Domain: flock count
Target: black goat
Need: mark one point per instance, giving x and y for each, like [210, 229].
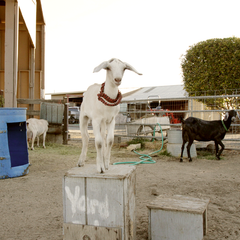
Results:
[200, 130]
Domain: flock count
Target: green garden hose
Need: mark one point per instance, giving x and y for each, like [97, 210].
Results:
[145, 158]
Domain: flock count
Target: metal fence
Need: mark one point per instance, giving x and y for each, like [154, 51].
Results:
[146, 117]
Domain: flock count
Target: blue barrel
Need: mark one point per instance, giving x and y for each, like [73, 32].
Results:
[13, 143]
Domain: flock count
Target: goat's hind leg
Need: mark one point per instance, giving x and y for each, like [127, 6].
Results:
[44, 137]
[188, 149]
[85, 139]
[182, 149]
[37, 141]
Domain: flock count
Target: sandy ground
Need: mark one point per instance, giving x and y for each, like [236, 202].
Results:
[31, 206]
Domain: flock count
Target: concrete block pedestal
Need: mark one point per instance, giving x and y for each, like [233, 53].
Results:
[174, 145]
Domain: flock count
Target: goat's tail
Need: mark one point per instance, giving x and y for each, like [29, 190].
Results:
[182, 120]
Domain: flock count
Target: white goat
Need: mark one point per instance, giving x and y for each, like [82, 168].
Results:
[35, 128]
[100, 104]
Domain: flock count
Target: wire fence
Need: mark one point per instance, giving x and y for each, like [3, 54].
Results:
[140, 118]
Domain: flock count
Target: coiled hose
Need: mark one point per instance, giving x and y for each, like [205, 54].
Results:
[145, 158]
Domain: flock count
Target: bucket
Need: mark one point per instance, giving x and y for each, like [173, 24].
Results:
[175, 144]
[13, 143]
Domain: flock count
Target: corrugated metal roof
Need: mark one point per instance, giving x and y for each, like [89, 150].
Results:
[171, 91]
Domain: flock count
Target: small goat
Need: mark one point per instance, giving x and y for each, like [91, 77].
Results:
[35, 128]
[101, 105]
[200, 130]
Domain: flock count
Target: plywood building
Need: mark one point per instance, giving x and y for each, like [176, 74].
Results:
[22, 51]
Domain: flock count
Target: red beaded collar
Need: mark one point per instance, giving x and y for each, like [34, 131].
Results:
[106, 100]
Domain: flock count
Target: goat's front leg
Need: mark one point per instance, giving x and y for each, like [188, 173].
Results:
[33, 140]
[99, 144]
[216, 150]
[110, 139]
[221, 150]
[85, 139]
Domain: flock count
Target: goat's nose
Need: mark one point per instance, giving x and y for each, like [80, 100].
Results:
[118, 81]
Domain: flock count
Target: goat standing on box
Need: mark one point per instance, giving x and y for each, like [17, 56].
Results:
[200, 130]
[101, 105]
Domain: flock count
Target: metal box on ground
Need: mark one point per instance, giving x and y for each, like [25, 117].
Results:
[177, 218]
[101, 200]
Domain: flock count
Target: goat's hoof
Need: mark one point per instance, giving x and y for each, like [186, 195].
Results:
[181, 160]
[80, 165]
[101, 169]
[190, 160]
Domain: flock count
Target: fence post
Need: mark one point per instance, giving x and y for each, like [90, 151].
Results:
[1, 99]
[65, 122]
[191, 108]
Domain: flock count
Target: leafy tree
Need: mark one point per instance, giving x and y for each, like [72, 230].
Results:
[213, 67]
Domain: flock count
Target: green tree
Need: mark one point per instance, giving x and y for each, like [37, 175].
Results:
[212, 67]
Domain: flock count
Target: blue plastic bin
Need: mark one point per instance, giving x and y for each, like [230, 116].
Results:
[13, 143]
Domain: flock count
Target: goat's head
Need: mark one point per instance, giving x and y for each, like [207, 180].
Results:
[232, 114]
[115, 69]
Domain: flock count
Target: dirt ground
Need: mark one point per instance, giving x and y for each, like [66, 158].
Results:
[31, 206]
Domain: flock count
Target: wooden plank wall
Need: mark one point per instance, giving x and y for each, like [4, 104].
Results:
[26, 102]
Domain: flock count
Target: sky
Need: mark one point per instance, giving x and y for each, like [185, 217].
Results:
[150, 35]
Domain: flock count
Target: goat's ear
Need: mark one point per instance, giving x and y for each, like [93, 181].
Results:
[103, 65]
[129, 67]
[226, 116]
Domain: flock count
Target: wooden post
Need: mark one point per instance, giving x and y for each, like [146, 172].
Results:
[11, 52]
[32, 78]
[65, 122]
[43, 61]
